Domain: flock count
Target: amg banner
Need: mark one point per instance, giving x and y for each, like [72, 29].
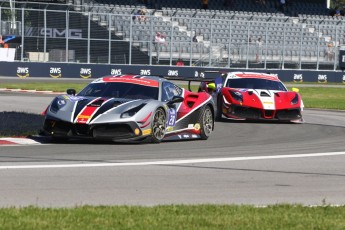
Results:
[53, 32]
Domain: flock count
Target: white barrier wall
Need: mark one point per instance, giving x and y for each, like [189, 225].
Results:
[7, 54]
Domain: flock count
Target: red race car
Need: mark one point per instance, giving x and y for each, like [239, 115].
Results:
[257, 96]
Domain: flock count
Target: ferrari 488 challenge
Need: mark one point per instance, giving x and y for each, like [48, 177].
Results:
[257, 96]
[130, 107]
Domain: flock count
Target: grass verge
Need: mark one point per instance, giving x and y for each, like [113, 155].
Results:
[313, 97]
[174, 217]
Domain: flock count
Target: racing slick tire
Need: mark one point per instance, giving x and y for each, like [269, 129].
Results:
[158, 126]
[206, 122]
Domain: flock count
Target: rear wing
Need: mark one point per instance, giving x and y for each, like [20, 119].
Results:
[217, 77]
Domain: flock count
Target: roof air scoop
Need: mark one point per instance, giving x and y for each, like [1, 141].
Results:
[97, 103]
[264, 94]
[116, 103]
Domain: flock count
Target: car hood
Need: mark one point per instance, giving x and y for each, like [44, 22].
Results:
[85, 110]
[269, 99]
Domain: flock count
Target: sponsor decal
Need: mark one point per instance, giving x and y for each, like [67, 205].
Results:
[85, 72]
[145, 72]
[268, 102]
[147, 132]
[322, 78]
[298, 78]
[173, 73]
[169, 129]
[84, 116]
[140, 81]
[344, 79]
[23, 72]
[116, 72]
[171, 117]
[219, 83]
[197, 126]
[196, 74]
[61, 102]
[342, 58]
[73, 98]
[190, 126]
[55, 72]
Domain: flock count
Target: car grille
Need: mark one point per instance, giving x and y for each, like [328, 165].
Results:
[113, 131]
[247, 112]
[288, 114]
[108, 131]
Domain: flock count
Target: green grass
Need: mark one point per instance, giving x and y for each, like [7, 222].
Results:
[323, 98]
[50, 86]
[175, 217]
[313, 97]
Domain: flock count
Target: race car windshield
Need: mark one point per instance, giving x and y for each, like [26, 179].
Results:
[120, 90]
[255, 83]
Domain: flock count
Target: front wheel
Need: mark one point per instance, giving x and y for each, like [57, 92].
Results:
[158, 126]
[206, 123]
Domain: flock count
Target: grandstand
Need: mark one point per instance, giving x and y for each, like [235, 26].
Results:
[294, 37]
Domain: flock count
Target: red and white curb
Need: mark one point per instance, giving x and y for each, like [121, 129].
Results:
[18, 141]
[29, 91]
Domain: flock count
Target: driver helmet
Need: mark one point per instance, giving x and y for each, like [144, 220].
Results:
[211, 87]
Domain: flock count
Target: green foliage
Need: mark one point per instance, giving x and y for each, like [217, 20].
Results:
[174, 217]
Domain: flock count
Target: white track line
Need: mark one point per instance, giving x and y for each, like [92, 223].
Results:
[172, 162]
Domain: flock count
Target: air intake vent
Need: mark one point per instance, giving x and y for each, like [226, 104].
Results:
[264, 94]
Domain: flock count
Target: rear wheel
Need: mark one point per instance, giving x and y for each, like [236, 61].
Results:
[206, 123]
[158, 126]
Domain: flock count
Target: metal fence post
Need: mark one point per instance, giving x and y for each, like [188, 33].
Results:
[45, 34]
[88, 37]
[67, 34]
[109, 38]
[266, 45]
[130, 40]
[229, 45]
[23, 37]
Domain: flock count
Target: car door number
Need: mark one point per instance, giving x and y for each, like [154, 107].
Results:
[172, 117]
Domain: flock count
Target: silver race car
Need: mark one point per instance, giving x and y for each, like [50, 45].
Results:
[130, 107]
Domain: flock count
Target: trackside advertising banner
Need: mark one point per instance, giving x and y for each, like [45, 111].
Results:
[68, 70]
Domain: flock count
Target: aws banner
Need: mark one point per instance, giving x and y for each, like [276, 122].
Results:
[92, 71]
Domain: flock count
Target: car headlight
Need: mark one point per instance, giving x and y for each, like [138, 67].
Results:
[57, 104]
[132, 112]
[236, 95]
[294, 101]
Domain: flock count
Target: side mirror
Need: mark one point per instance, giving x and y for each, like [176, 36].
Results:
[175, 99]
[71, 92]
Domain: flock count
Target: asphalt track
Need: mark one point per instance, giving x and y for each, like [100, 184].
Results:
[241, 163]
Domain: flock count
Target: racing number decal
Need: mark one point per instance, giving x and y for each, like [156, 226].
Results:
[171, 117]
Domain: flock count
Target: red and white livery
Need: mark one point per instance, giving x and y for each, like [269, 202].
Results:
[257, 96]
